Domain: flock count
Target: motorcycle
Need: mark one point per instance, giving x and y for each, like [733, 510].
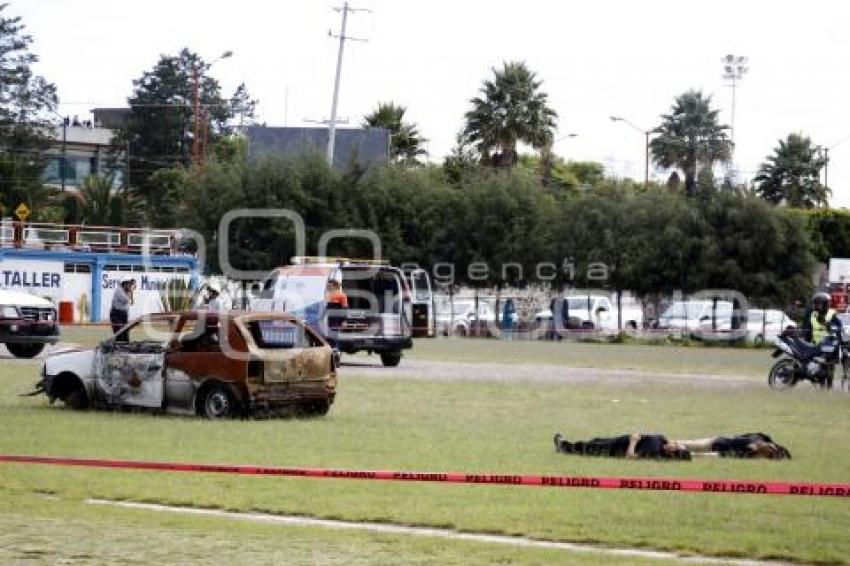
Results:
[802, 361]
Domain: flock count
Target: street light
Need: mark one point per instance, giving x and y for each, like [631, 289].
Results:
[196, 110]
[646, 134]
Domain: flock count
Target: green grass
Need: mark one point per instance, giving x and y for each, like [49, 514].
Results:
[390, 423]
[61, 531]
[676, 359]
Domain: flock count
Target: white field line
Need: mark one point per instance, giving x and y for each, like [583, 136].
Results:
[385, 528]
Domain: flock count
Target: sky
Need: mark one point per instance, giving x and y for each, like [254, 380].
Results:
[596, 59]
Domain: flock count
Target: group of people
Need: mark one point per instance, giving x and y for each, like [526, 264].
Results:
[657, 446]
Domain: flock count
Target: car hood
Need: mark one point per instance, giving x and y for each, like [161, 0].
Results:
[79, 361]
[20, 299]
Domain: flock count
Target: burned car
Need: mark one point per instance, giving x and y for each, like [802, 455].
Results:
[213, 364]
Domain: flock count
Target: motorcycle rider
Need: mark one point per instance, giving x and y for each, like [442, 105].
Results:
[817, 318]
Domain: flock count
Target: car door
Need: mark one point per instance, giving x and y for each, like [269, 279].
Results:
[131, 372]
[422, 300]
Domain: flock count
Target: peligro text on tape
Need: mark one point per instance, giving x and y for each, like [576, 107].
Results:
[648, 484]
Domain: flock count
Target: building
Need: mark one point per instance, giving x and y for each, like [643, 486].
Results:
[83, 265]
[364, 146]
[85, 149]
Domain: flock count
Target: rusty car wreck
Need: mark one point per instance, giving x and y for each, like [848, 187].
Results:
[213, 364]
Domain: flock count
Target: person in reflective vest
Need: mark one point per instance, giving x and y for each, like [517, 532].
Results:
[817, 318]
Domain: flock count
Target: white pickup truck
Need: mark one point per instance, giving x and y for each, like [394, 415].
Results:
[593, 312]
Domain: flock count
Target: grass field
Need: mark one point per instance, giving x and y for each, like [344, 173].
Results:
[693, 359]
[383, 422]
[677, 359]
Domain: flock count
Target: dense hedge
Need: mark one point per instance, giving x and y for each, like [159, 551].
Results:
[504, 228]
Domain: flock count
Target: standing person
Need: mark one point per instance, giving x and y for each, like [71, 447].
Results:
[214, 301]
[119, 313]
[335, 296]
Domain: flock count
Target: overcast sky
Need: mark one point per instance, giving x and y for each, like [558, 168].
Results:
[628, 58]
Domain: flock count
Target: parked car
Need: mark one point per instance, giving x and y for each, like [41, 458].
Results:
[27, 323]
[765, 325]
[461, 318]
[591, 312]
[697, 316]
[213, 364]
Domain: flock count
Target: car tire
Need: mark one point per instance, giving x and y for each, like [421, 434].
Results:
[76, 398]
[758, 340]
[217, 402]
[460, 331]
[391, 359]
[25, 350]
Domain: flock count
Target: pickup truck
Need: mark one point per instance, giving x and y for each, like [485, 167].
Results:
[27, 323]
[592, 312]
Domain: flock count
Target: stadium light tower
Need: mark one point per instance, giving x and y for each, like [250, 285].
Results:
[734, 69]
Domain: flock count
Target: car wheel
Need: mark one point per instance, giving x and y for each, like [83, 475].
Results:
[217, 402]
[25, 350]
[460, 331]
[758, 340]
[391, 359]
[76, 398]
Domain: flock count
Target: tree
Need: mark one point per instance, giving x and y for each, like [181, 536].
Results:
[160, 130]
[243, 105]
[100, 203]
[405, 140]
[792, 174]
[26, 101]
[690, 138]
[511, 109]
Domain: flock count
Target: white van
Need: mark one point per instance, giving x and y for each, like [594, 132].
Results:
[377, 314]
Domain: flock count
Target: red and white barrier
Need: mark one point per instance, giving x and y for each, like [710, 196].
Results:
[591, 482]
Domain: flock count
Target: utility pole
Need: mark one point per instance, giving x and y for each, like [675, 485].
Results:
[196, 107]
[199, 147]
[342, 37]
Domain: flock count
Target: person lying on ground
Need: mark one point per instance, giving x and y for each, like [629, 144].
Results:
[749, 445]
[658, 446]
[635, 445]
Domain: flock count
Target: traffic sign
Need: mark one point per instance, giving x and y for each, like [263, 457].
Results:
[22, 212]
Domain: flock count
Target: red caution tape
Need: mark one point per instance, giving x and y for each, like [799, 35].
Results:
[650, 484]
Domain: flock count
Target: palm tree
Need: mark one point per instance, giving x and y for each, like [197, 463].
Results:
[792, 174]
[100, 203]
[511, 109]
[690, 138]
[405, 140]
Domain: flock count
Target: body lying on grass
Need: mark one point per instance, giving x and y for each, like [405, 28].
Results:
[658, 446]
